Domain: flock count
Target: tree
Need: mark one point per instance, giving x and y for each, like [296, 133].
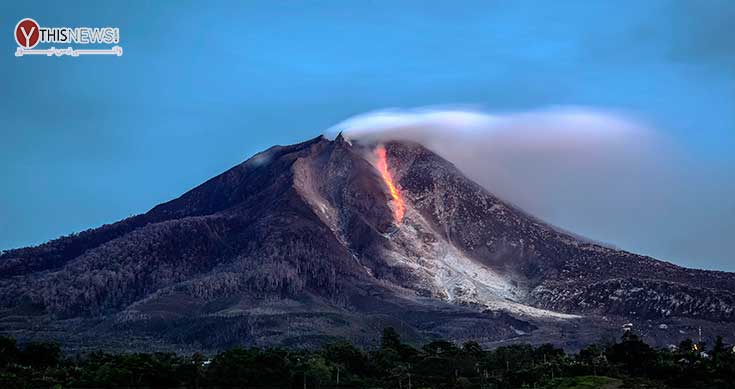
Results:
[472, 349]
[440, 348]
[8, 351]
[41, 354]
[719, 349]
[592, 356]
[390, 339]
[318, 371]
[634, 355]
[347, 359]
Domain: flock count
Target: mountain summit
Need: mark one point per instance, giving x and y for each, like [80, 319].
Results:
[328, 239]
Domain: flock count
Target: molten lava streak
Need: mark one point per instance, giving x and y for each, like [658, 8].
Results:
[399, 208]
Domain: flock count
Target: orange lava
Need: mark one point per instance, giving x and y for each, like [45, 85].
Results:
[399, 208]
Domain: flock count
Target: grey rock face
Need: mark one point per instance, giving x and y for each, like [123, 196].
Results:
[299, 245]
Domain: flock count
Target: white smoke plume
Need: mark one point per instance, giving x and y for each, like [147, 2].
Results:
[528, 158]
[604, 174]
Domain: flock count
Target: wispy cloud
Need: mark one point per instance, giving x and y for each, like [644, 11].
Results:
[605, 174]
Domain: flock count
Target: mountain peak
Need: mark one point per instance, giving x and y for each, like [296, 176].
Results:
[302, 243]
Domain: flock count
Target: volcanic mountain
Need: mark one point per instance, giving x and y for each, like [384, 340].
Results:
[332, 239]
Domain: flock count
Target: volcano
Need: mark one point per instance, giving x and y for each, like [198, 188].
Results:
[331, 239]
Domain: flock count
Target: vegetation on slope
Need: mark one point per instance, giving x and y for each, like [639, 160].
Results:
[440, 364]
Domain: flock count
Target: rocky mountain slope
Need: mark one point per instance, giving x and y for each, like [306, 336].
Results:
[330, 239]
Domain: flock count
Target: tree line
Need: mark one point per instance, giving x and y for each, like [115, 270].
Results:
[630, 362]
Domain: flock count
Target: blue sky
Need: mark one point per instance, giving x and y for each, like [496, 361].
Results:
[90, 140]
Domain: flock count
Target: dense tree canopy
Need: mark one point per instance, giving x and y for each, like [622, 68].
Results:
[394, 364]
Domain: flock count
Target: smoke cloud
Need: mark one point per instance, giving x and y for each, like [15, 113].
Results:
[603, 174]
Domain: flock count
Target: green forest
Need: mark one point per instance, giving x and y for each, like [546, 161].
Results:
[626, 363]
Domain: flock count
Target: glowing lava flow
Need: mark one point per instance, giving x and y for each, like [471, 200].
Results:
[399, 209]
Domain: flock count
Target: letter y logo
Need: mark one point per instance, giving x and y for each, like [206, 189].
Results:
[27, 33]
